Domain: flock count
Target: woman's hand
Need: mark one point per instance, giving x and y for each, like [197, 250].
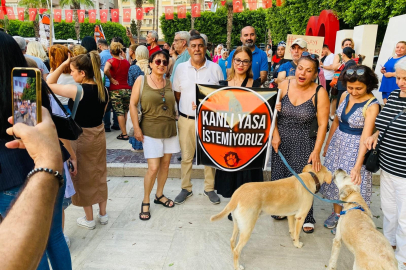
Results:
[356, 176]
[194, 106]
[75, 166]
[325, 150]
[388, 74]
[276, 141]
[278, 106]
[371, 142]
[138, 134]
[114, 81]
[314, 158]
[66, 63]
[383, 70]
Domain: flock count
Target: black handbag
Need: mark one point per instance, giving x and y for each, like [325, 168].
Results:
[314, 127]
[371, 158]
[66, 126]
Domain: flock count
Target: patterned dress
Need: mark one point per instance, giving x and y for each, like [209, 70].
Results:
[294, 126]
[342, 152]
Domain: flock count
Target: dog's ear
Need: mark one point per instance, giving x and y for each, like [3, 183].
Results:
[347, 190]
[308, 168]
[327, 175]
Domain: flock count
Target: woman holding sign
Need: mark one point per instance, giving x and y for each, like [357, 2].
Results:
[292, 135]
[240, 75]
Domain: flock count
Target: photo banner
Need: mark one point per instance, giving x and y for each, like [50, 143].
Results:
[195, 10]
[182, 12]
[169, 13]
[233, 126]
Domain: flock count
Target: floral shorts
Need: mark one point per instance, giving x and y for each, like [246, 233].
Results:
[120, 100]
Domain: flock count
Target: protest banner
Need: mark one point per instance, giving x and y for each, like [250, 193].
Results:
[314, 44]
[233, 126]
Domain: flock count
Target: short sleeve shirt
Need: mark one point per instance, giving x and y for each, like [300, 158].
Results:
[182, 58]
[155, 49]
[186, 78]
[104, 57]
[133, 73]
[288, 68]
[259, 62]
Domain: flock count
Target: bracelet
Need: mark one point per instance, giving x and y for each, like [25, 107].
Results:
[50, 171]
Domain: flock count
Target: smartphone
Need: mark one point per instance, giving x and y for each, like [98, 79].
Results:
[26, 95]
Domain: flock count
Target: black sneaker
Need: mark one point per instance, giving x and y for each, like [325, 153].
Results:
[115, 128]
[183, 195]
[213, 197]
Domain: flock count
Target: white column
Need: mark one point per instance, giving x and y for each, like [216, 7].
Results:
[365, 38]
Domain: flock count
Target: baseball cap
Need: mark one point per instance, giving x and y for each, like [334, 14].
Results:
[301, 42]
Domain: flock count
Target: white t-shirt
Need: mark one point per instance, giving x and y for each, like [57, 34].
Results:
[328, 74]
[270, 55]
[186, 77]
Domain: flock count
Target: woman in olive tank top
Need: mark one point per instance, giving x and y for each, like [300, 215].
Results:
[157, 130]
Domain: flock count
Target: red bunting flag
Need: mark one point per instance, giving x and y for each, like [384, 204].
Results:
[115, 15]
[139, 15]
[126, 14]
[252, 5]
[237, 6]
[57, 15]
[42, 10]
[68, 15]
[279, 3]
[1, 14]
[33, 13]
[10, 13]
[209, 4]
[81, 15]
[103, 15]
[3, 9]
[21, 13]
[195, 10]
[169, 13]
[223, 3]
[92, 15]
[182, 12]
[266, 3]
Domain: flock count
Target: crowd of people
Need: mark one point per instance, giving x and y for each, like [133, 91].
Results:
[104, 84]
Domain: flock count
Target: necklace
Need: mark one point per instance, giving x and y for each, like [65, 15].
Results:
[162, 93]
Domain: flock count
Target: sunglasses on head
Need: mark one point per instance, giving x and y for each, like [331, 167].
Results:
[359, 72]
[159, 61]
[312, 56]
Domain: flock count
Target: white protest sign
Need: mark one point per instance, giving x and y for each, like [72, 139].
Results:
[314, 44]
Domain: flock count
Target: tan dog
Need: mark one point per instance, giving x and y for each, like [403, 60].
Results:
[371, 249]
[285, 197]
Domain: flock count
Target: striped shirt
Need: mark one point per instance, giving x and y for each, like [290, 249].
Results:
[392, 155]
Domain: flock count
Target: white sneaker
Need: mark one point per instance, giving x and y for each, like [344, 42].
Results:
[67, 240]
[103, 219]
[83, 222]
[401, 266]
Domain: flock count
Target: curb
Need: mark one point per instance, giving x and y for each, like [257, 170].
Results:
[140, 169]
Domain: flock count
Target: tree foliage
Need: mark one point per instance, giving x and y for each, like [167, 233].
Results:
[26, 29]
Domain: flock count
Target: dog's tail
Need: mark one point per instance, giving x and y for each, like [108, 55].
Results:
[232, 204]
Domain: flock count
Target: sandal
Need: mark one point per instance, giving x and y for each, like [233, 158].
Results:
[279, 217]
[123, 137]
[166, 204]
[308, 225]
[145, 213]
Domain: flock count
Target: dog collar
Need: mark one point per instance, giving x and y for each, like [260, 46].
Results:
[316, 180]
[359, 207]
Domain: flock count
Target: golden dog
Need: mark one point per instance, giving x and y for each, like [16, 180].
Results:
[356, 228]
[285, 197]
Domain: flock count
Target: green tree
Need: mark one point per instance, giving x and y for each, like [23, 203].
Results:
[133, 26]
[26, 29]
[30, 93]
[65, 30]
[75, 5]
[34, 4]
[110, 30]
[13, 27]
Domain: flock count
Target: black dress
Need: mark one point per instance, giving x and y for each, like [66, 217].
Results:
[228, 182]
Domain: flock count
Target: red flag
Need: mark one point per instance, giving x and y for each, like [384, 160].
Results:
[115, 15]
[169, 13]
[42, 10]
[3, 8]
[209, 4]
[223, 3]
[10, 13]
[92, 15]
[252, 5]
[195, 10]
[21, 13]
[182, 12]
[279, 3]
[81, 15]
[33, 13]
[1, 14]
[127, 14]
[139, 15]
[57, 15]
[266, 3]
[68, 15]
[103, 15]
[237, 6]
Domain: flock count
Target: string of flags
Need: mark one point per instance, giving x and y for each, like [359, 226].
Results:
[115, 13]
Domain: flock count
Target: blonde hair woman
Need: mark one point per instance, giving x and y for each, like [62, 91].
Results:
[35, 48]
[142, 56]
[78, 50]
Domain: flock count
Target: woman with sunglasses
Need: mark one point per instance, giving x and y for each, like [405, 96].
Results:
[157, 130]
[292, 131]
[354, 122]
[240, 75]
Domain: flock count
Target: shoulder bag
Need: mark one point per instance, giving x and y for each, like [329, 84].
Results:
[314, 127]
[371, 159]
[66, 126]
[129, 124]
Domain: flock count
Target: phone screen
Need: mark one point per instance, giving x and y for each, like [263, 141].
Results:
[26, 97]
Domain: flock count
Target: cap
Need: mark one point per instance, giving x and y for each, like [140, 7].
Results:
[301, 42]
[282, 44]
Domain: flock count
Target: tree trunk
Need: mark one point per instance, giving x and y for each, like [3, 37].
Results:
[229, 25]
[157, 17]
[76, 7]
[192, 19]
[153, 16]
[138, 4]
[36, 28]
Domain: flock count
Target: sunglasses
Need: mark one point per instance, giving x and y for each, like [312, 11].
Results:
[359, 72]
[315, 57]
[159, 62]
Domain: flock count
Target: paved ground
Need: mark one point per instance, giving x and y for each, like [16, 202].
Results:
[184, 238]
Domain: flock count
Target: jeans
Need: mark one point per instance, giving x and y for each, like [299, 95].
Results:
[107, 117]
[57, 250]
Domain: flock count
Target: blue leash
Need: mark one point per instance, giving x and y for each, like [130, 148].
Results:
[303, 184]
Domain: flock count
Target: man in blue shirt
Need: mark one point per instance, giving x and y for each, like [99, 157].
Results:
[259, 58]
[288, 70]
[104, 52]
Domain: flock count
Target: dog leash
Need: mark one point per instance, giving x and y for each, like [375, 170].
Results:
[303, 184]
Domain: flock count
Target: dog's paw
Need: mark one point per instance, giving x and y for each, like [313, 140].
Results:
[298, 244]
[240, 267]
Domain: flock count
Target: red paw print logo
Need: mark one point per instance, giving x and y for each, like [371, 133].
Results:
[231, 159]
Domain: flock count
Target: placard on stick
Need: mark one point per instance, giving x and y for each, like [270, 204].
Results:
[314, 44]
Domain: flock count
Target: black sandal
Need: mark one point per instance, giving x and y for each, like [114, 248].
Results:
[166, 204]
[145, 213]
[123, 137]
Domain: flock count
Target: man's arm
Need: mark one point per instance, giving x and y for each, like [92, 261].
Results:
[281, 76]
[26, 241]
[177, 97]
[263, 75]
